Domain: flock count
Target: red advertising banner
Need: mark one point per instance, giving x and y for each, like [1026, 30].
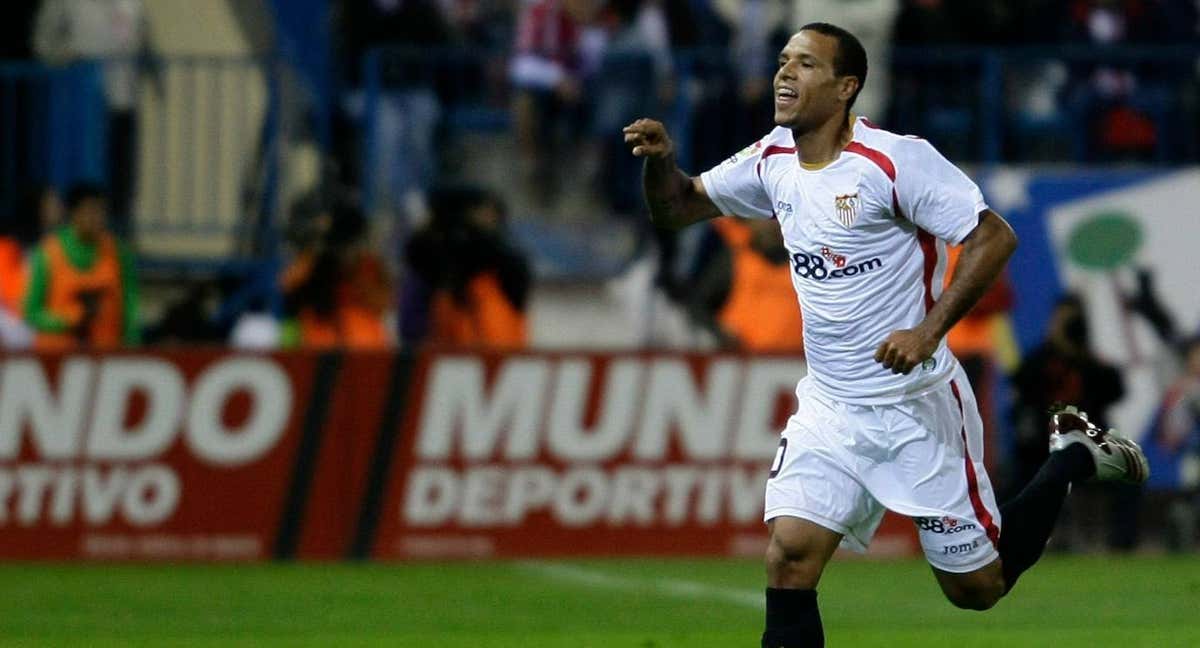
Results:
[180, 456]
[213, 455]
[589, 454]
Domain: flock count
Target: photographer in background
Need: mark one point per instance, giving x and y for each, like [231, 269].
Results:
[467, 285]
[337, 290]
[744, 294]
[82, 289]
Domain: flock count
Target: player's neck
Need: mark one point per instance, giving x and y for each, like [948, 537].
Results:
[820, 146]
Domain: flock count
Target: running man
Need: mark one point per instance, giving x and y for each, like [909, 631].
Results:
[886, 417]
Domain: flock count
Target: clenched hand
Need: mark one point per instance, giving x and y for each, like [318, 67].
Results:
[648, 138]
[905, 349]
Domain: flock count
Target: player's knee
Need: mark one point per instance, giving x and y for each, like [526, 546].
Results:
[792, 565]
[979, 593]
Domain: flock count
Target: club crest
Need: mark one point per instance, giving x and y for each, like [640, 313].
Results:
[846, 206]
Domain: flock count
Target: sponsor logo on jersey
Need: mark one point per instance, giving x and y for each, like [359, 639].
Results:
[846, 206]
[812, 266]
[744, 153]
[945, 525]
[785, 207]
[837, 259]
[961, 548]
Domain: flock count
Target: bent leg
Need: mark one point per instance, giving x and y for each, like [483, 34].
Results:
[796, 555]
[973, 590]
[798, 552]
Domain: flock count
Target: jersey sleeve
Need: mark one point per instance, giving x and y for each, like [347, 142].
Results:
[934, 194]
[735, 187]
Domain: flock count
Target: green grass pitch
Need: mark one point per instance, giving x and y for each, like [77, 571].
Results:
[1062, 603]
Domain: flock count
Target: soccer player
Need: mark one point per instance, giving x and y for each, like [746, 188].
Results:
[886, 417]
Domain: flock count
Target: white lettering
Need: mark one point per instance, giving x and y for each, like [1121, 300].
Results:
[33, 481]
[633, 493]
[102, 492]
[680, 481]
[151, 496]
[456, 404]
[581, 497]
[430, 497]
[271, 398]
[482, 495]
[568, 438]
[530, 488]
[119, 379]
[56, 423]
[757, 436]
[674, 402]
[64, 497]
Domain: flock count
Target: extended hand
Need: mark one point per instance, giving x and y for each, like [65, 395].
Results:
[905, 349]
[648, 138]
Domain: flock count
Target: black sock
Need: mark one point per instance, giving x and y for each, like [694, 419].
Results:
[1029, 518]
[793, 620]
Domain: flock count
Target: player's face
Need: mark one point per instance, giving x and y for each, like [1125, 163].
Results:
[806, 88]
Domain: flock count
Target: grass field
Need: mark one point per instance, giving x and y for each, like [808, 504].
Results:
[1063, 603]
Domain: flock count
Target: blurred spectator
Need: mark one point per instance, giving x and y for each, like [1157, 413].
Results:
[1173, 447]
[871, 22]
[744, 295]
[547, 74]
[635, 79]
[467, 284]
[402, 160]
[113, 30]
[188, 320]
[758, 29]
[1063, 369]
[338, 290]
[39, 211]
[82, 287]
[1121, 109]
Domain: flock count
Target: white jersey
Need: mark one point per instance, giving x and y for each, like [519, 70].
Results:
[866, 235]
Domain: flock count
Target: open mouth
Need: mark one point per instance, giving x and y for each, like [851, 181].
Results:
[785, 96]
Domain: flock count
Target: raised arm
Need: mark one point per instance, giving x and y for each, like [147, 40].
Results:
[675, 198]
[985, 251]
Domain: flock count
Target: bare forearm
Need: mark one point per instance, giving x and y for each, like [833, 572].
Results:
[675, 199]
[665, 185]
[984, 255]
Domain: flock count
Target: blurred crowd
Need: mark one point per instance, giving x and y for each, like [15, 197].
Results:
[567, 74]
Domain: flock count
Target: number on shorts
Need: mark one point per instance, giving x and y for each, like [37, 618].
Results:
[778, 463]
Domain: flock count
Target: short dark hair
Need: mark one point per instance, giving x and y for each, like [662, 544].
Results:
[851, 59]
[81, 191]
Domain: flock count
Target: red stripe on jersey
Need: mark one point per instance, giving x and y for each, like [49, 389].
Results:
[776, 150]
[981, 513]
[876, 156]
[868, 123]
[929, 252]
[771, 150]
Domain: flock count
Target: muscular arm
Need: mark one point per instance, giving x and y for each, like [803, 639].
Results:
[675, 198]
[985, 251]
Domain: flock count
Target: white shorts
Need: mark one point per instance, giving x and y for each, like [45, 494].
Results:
[840, 465]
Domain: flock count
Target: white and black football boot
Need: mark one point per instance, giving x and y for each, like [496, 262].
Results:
[1117, 458]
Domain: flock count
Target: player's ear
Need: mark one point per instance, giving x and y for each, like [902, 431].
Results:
[847, 87]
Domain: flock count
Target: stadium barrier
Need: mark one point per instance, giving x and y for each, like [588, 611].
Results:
[210, 455]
